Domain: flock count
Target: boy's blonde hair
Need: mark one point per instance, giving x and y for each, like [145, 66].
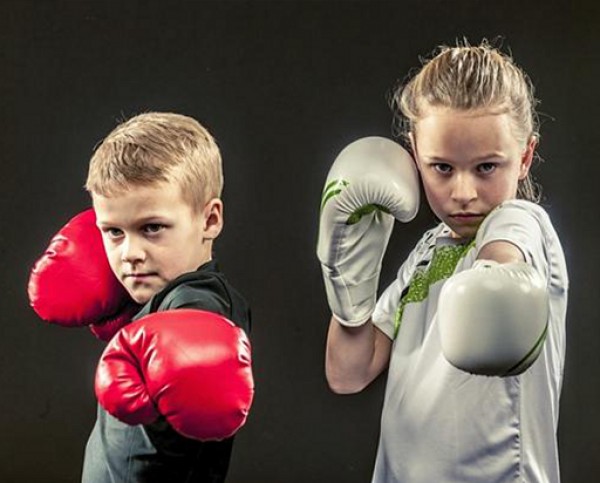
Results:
[474, 78]
[158, 146]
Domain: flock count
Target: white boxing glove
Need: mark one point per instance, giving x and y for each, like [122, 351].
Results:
[371, 181]
[493, 318]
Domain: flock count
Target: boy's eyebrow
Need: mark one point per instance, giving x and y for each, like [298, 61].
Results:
[100, 222]
[137, 221]
[151, 217]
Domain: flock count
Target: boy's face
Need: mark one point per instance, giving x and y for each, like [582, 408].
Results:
[151, 236]
[469, 164]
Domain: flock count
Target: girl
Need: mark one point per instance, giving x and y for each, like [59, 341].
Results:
[469, 117]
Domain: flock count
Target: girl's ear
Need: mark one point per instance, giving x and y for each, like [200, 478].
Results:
[213, 218]
[527, 157]
[413, 147]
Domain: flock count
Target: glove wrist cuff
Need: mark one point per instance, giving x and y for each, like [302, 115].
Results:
[351, 304]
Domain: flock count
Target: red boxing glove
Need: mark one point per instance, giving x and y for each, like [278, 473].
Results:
[72, 283]
[106, 329]
[191, 366]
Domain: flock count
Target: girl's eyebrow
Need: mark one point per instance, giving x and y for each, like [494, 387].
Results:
[485, 157]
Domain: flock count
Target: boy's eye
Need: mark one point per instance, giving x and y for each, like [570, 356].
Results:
[442, 168]
[486, 168]
[153, 228]
[113, 232]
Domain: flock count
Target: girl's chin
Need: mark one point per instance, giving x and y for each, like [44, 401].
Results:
[464, 231]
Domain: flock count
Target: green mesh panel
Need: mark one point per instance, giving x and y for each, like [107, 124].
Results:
[442, 265]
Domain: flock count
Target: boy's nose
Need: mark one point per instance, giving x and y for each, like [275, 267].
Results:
[132, 250]
[464, 188]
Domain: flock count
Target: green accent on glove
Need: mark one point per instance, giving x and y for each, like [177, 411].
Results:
[366, 210]
[531, 355]
[442, 265]
[333, 188]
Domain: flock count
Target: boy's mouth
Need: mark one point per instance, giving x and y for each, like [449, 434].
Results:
[139, 276]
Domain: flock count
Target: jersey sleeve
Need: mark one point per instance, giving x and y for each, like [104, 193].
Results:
[520, 223]
[385, 310]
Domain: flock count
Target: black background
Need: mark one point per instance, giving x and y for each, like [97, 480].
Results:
[283, 86]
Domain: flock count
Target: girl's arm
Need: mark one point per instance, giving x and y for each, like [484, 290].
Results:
[355, 356]
[501, 252]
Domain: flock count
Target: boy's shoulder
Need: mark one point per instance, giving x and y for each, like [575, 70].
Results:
[203, 289]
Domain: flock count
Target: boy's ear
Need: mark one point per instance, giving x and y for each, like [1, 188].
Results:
[213, 218]
[527, 157]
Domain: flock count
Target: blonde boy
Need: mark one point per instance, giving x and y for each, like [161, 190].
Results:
[175, 384]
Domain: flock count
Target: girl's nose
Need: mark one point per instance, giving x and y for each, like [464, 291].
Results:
[464, 188]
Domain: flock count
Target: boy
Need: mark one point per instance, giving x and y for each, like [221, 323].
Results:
[173, 385]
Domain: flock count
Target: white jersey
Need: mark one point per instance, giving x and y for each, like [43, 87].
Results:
[440, 424]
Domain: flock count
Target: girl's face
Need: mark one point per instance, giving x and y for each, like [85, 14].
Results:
[470, 162]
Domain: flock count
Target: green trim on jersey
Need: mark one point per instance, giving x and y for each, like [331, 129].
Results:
[442, 265]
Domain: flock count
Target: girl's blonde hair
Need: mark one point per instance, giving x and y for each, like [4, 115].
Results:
[154, 147]
[468, 78]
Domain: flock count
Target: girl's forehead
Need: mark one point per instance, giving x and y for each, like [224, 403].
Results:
[448, 135]
[427, 110]
[463, 123]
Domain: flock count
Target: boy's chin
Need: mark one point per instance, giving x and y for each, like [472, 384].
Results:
[142, 296]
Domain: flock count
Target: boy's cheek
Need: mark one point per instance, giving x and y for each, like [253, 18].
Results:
[113, 261]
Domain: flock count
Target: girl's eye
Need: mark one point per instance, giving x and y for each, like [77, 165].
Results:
[486, 168]
[442, 168]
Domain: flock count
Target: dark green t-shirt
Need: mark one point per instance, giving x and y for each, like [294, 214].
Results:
[156, 453]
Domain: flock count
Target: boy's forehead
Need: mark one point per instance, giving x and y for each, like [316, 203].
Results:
[138, 201]
[140, 190]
